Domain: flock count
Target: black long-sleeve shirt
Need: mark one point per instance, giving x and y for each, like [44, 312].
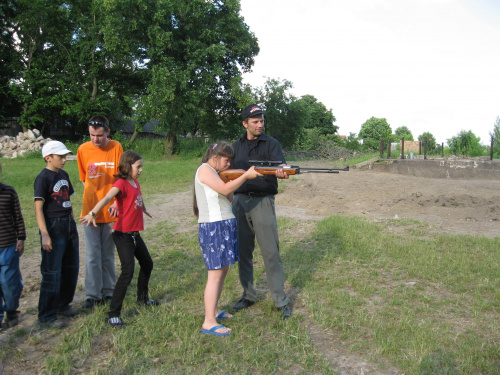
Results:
[264, 148]
[11, 219]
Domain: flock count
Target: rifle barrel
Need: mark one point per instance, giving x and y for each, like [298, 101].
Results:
[322, 170]
[317, 170]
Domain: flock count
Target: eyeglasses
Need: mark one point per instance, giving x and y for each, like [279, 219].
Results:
[98, 123]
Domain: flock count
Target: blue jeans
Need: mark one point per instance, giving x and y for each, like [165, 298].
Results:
[11, 282]
[59, 268]
[129, 246]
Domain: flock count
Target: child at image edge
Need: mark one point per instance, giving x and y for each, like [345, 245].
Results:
[126, 236]
[217, 231]
[58, 236]
[12, 237]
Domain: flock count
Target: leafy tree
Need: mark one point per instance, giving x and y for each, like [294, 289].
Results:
[317, 116]
[465, 143]
[72, 66]
[403, 132]
[351, 142]
[495, 135]
[176, 61]
[432, 146]
[284, 115]
[374, 130]
[198, 50]
[9, 59]
[36, 23]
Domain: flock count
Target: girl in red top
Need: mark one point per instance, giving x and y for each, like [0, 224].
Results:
[128, 241]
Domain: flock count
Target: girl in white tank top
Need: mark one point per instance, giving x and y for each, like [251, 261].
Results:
[217, 232]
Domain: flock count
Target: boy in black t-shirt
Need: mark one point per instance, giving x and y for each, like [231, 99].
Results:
[58, 236]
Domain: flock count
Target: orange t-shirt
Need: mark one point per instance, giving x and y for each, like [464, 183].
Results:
[97, 167]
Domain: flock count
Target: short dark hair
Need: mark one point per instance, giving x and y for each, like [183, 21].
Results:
[125, 164]
[99, 121]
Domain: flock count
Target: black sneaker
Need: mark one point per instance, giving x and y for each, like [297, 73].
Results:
[116, 322]
[68, 313]
[285, 311]
[152, 302]
[243, 303]
[90, 303]
[53, 324]
[107, 299]
[12, 319]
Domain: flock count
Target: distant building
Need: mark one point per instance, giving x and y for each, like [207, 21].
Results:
[150, 128]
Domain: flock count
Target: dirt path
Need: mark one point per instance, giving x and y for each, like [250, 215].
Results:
[448, 206]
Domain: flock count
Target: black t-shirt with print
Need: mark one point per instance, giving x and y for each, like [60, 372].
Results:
[55, 189]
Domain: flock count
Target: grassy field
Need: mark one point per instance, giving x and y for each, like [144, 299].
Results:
[417, 301]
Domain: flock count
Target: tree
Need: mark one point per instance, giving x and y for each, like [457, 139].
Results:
[9, 59]
[176, 61]
[465, 143]
[73, 66]
[495, 135]
[197, 52]
[284, 115]
[432, 146]
[317, 116]
[373, 131]
[351, 142]
[403, 132]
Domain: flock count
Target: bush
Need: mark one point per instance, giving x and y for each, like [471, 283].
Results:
[317, 146]
[193, 147]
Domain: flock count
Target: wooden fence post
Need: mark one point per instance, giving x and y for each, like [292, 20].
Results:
[491, 148]
[425, 148]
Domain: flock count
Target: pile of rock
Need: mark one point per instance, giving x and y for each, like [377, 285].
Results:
[29, 141]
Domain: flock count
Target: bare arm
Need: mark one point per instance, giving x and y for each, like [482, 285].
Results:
[42, 225]
[145, 211]
[89, 218]
[113, 209]
[207, 176]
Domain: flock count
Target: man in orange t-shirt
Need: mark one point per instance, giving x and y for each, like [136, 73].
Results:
[97, 164]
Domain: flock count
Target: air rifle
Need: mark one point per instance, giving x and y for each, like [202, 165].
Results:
[270, 168]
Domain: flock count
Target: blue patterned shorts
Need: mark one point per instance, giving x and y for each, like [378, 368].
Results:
[219, 243]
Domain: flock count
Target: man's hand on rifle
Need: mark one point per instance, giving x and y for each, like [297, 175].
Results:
[280, 173]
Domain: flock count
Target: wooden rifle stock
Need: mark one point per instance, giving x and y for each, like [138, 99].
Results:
[233, 174]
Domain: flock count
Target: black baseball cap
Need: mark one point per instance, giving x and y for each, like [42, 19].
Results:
[251, 110]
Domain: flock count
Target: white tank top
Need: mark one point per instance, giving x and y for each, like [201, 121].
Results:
[212, 206]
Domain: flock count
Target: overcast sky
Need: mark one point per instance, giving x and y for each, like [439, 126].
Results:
[430, 65]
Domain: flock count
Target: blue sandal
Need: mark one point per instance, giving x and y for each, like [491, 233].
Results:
[212, 330]
[222, 317]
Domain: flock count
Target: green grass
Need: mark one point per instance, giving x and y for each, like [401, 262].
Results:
[424, 303]
[407, 298]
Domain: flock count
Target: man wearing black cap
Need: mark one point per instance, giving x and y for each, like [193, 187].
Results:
[253, 206]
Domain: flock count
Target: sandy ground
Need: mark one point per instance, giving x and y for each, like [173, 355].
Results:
[448, 206]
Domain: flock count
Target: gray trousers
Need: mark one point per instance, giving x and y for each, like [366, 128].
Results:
[100, 275]
[256, 217]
